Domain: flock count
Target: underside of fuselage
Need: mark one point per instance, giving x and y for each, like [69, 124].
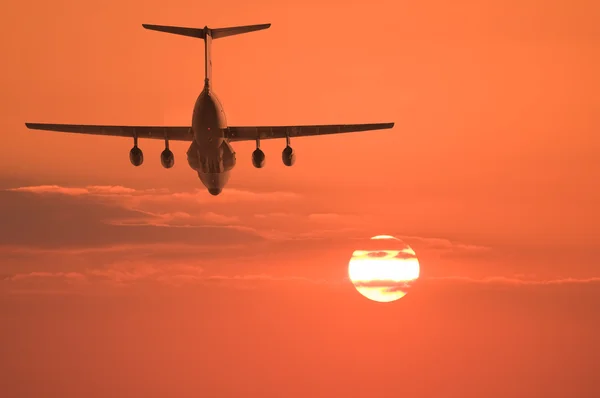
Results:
[210, 153]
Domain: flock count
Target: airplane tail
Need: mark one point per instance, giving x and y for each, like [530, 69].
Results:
[207, 34]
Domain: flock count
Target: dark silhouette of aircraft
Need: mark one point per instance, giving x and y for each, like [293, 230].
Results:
[210, 152]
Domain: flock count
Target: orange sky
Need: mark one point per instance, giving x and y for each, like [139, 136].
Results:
[121, 281]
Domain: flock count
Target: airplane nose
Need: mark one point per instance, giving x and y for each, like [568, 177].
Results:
[214, 191]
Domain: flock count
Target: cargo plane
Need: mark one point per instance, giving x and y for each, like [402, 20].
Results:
[210, 153]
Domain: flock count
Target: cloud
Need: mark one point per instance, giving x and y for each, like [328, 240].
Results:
[335, 218]
[436, 251]
[68, 229]
[132, 198]
[41, 282]
[89, 190]
[384, 283]
[321, 234]
[386, 253]
[124, 273]
[233, 194]
[112, 190]
[120, 273]
[301, 227]
[219, 218]
[442, 244]
[201, 196]
[154, 249]
[76, 219]
[262, 277]
[128, 207]
[439, 246]
[44, 189]
[274, 215]
[255, 281]
[134, 273]
[179, 219]
[515, 281]
[63, 275]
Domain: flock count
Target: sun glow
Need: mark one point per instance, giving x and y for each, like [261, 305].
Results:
[385, 269]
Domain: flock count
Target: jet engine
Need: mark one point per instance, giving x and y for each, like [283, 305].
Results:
[167, 159]
[288, 156]
[258, 158]
[136, 156]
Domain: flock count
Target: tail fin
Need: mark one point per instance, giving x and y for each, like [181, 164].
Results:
[207, 34]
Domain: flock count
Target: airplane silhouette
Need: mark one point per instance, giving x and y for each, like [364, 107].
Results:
[210, 152]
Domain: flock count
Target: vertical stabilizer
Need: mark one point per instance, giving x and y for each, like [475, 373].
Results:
[208, 35]
[207, 58]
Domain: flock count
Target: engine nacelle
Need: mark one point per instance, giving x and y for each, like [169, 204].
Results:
[258, 158]
[136, 156]
[288, 156]
[167, 159]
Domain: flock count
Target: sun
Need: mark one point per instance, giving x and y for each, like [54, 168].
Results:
[384, 269]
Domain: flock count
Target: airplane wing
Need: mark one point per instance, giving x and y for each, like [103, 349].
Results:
[184, 133]
[173, 133]
[266, 132]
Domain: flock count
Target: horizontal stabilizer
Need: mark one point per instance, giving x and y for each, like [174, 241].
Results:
[237, 30]
[200, 33]
[177, 30]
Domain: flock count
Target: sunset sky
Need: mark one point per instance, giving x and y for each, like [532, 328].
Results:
[118, 281]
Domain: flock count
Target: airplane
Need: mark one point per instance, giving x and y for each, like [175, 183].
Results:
[210, 153]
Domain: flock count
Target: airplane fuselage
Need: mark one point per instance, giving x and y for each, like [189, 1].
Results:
[210, 153]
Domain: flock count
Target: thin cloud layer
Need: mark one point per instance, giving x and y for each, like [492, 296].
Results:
[178, 219]
[514, 281]
[77, 219]
[130, 274]
[158, 195]
[315, 218]
[443, 245]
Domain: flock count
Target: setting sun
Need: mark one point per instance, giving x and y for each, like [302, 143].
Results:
[385, 269]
